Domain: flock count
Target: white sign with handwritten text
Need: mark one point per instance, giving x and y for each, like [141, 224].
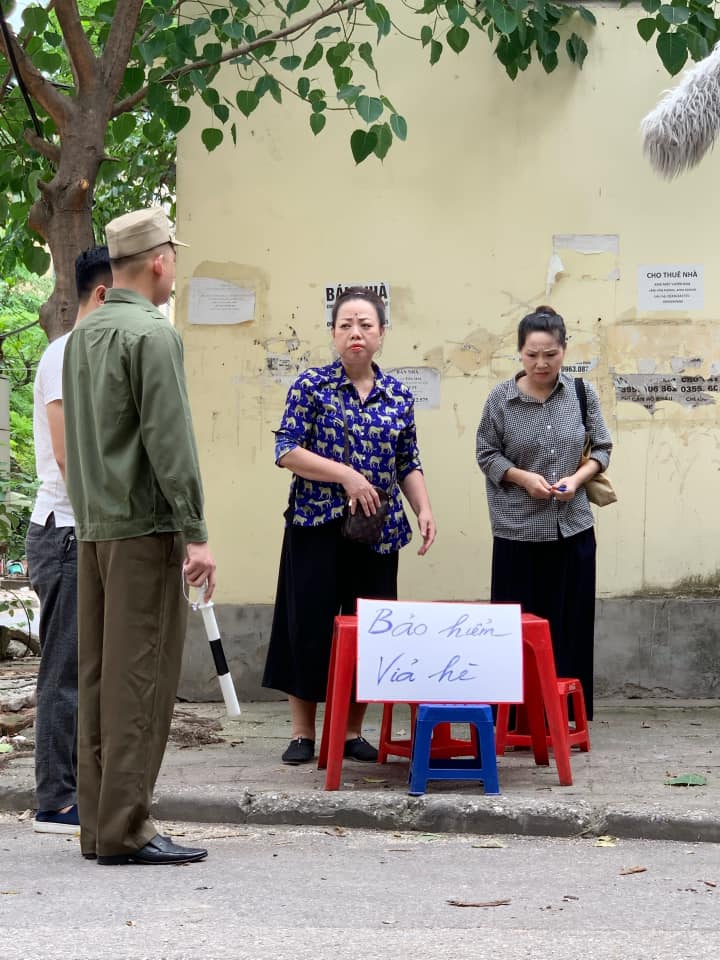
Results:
[439, 652]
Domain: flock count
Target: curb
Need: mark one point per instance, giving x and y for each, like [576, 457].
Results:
[421, 814]
[441, 815]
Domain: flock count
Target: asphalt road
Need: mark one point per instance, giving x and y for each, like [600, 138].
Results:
[333, 893]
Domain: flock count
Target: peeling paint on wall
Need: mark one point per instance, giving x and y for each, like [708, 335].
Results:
[649, 389]
[474, 353]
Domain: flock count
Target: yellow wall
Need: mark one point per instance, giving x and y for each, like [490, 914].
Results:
[460, 220]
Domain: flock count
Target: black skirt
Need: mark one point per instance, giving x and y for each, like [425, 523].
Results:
[321, 575]
[554, 579]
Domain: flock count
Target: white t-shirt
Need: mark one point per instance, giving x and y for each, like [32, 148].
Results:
[52, 496]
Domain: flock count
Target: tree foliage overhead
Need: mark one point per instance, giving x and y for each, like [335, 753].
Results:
[94, 93]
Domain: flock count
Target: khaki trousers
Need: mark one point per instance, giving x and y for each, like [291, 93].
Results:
[131, 629]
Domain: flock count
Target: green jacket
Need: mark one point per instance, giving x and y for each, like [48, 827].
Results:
[131, 461]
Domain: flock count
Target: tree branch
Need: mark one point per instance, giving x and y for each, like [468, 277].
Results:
[114, 60]
[132, 101]
[49, 150]
[80, 53]
[37, 86]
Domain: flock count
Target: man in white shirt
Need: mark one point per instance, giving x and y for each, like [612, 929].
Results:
[51, 552]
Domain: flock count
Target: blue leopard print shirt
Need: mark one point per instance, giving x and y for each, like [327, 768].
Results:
[382, 443]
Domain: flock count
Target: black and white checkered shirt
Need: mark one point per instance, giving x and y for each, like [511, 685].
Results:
[544, 437]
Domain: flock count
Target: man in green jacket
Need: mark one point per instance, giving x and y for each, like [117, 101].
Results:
[134, 484]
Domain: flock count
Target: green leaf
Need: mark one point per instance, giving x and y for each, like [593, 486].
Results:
[338, 54]
[384, 140]
[456, 12]
[399, 126]
[317, 122]
[576, 49]
[325, 32]
[123, 126]
[505, 20]
[587, 15]
[222, 112]
[426, 35]
[672, 50]
[268, 84]
[212, 52]
[365, 51]
[314, 57]
[303, 87]
[290, 63]
[549, 62]
[674, 14]
[369, 108]
[652, 6]
[706, 19]
[687, 780]
[436, 49]
[342, 76]
[318, 106]
[350, 93]
[36, 259]
[378, 15]
[247, 101]
[698, 46]
[176, 117]
[295, 6]
[646, 27]
[35, 18]
[211, 137]
[457, 38]
[362, 144]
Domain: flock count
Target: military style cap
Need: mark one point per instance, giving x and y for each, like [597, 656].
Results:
[139, 231]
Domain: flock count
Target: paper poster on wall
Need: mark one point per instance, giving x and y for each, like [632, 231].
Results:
[424, 383]
[219, 301]
[439, 652]
[334, 290]
[671, 287]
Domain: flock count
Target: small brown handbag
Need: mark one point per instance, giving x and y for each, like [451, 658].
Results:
[357, 526]
[599, 489]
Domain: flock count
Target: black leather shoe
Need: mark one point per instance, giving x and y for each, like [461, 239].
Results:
[159, 850]
[359, 749]
[300, 750]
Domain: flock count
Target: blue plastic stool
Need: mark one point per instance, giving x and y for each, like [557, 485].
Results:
[483, 767]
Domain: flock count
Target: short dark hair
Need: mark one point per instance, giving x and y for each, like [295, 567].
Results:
[360, 293]
[92, 267]
[543, 319]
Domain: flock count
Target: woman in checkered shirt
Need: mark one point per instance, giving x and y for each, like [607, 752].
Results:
[529, 444]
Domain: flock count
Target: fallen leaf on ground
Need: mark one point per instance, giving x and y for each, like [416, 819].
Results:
[569, 896]
[687, 780]
[489, 903]
[708, 883]
[9, 893]
[374, 780]
[605, 842]
[6, 748]
[129, 923]
[628, 870]
[488, 845]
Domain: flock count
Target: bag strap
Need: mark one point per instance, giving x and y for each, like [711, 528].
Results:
[582, 399]
[346, 451]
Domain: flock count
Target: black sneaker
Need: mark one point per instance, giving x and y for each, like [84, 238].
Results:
[300, 750]
[360, 749]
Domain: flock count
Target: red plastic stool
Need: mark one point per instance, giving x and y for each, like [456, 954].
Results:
[443, 744]
[519, 736]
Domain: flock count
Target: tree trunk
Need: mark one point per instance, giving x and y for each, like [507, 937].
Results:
[63, 214]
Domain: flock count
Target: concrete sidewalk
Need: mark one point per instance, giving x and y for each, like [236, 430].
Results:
[217, 770]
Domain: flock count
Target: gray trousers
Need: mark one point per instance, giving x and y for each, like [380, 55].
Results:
[52, 564]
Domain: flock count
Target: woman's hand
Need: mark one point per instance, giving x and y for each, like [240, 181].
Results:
[361, 493]
[536, 485]
[428, 531]
[566, 488]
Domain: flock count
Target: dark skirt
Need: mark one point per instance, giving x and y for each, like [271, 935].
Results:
[554, 580]
[321, 575]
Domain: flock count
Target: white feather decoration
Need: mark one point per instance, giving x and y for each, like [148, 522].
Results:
[684, 125]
